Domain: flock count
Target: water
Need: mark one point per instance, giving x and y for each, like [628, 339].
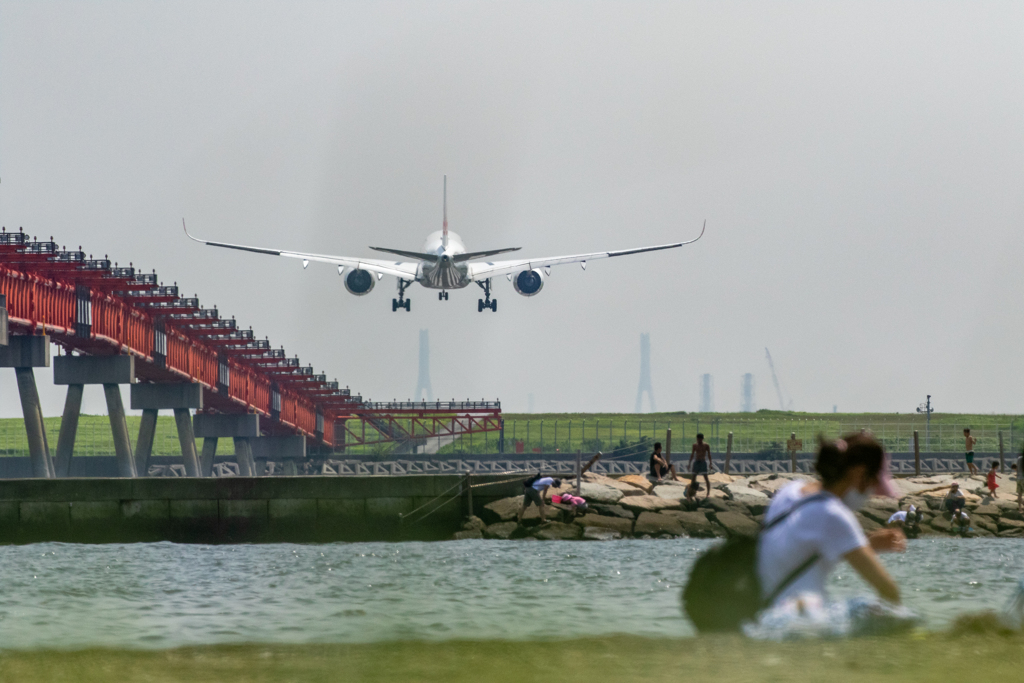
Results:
[167, 595]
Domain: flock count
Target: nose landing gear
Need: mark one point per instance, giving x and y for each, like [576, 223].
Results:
[486, 302]
[442, 296]
[401, 301]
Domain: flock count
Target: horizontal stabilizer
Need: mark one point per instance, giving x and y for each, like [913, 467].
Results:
[459, 258]
[408, 254]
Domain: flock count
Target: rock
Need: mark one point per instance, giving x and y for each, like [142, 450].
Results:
[736, 524]
[981, 532]
[614, 510]
[473, 522]
[1012, 514]
[939, 523]
[670, 492]
[470, 533]
[557, 531]
[627, 489]
[771, 483]
[594, 533]
[721, 478]
[507, 509]
[984, 522]
[866, 523]
[1005, 524]
[647, 503]
[502, 530]
[657, 524]
[623, 526]
[875, 514]
[600, 493]
[716, 504]
[1011, 533]
[695, 524]
[639, 481]
[889, 505]
[756, 500]
[991, 510]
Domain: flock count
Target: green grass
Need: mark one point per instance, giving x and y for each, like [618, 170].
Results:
[920, 659]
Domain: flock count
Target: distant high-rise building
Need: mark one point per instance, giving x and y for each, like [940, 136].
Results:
[747, 404]
[645, 374]
[529, 402]
[707, 393]
[424, 391]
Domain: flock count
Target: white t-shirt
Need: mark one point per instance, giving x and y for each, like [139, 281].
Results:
[542, 482]
[900, 516]
[826, 527]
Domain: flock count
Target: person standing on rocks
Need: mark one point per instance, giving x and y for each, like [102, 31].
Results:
[700, 461]
[1019, 468]
[969, 442]
[534, 490]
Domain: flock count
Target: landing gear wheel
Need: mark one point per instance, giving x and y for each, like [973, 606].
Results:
[401, 301]
[494, 306]
[394, 305]
[408, 305]
[479, 305]
[486, 302]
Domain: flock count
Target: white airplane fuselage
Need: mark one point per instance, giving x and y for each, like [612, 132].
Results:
[445, 273]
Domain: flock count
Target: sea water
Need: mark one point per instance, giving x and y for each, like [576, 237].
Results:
[148, 595]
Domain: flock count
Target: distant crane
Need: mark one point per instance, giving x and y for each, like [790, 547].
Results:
[775, 378]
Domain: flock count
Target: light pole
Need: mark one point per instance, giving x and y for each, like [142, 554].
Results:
[927, 409]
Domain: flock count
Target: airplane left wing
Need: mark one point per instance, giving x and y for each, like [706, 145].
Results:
[404, 270]
[481, 270]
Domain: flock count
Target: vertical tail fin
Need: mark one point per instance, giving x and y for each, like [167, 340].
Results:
[444, 230]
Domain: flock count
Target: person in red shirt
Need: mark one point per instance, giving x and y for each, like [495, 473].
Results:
[991, 483]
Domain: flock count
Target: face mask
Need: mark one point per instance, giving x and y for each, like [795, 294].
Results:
[855, 499]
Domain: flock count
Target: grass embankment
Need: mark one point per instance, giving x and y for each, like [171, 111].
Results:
[925, 659]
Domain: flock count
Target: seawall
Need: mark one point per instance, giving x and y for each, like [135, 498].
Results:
[239, 509]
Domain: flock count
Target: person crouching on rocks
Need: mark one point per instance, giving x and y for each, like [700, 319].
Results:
[960, 522]
[954, 500]
[576, 503]
[809, 528]
[534, 490]
[908, 521]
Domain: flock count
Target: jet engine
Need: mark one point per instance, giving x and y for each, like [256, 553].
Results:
[360, 282]
[528, 282]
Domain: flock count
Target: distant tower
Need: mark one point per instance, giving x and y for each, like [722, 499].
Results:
[529, 402]
[707, 393]
[645, 373]
[747, 406]
[423, 389]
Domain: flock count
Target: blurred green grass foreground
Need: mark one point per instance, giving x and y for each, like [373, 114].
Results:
[976, 657]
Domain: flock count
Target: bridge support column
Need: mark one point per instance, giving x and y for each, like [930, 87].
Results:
[110, 372]
[179, 397]
[244, 429]
[209, 453]
[23, 354]
[290, 450]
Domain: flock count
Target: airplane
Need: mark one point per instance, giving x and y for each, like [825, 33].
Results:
[444, 264]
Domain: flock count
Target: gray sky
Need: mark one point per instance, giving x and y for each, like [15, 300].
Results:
[860, 167]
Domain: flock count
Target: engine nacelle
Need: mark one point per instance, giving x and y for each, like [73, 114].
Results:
[360, 282]
[528, 282]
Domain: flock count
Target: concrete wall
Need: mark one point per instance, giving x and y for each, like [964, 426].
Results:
[236, 509]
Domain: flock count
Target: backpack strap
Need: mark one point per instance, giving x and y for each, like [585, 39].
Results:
[806, 564]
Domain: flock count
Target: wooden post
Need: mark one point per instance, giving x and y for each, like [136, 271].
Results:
[1002, 465]
[579, 469]
[469, 493]
[668, 447]
[917, 455]
[597, 456]
[728, 453]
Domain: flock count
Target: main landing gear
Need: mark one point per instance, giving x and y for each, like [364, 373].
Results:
[401, 301]
[442, 296]
[486, 302]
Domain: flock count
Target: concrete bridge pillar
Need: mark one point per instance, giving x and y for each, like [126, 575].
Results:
[179, 397]
[244, 429]
[109, 371]
[290, 450]
[23, 354]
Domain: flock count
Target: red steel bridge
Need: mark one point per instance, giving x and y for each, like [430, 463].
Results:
[91, 307]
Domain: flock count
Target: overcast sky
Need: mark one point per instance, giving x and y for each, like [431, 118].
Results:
[860, 166]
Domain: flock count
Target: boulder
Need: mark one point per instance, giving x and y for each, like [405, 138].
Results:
[695, 524]
[623, 526]
[866, 523]
[940, 523]
[594, 533]
[875, 514]
[657, 524]
[614, 510]
[736, 524]
[467, 534]
[981, 532]
[507, 509]
[600, 493]
[1011, 533]
[670, 492]
[990, 510]
[639, 481]
[501, 530]
[1005, 524]
[626, 489]
[771, 483]
[889, 505]
[557, 531]
[721, 478]
[756, 500]
[1012, 514]
[473, 522]
[647, 503]
[984, 522]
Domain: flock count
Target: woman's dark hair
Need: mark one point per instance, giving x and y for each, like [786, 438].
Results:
[836, 458]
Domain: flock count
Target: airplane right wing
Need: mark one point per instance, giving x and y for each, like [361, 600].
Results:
[400, 269]
[481, 270]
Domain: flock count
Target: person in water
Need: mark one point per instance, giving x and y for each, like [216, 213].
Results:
[990, 481]
[534, 490]
[700, 461]
[819, 528]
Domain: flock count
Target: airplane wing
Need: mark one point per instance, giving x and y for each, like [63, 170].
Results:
[481, 270]
[400, 269]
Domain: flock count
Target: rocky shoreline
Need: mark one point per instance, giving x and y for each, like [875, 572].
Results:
[634, 507]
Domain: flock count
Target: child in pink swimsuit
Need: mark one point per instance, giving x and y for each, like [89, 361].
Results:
[992, 485]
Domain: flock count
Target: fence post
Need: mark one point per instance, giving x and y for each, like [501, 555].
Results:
[917, 455]
[1002, 465]
[579, 469]
[728, 453]
[668, 447]
[469, 493]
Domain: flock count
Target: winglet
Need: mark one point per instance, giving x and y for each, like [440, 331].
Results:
[444, 229]
[187, 233]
